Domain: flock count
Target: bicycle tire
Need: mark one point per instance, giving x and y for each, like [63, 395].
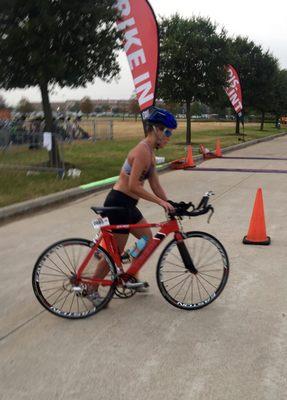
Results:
[59, 263]
[170, 264]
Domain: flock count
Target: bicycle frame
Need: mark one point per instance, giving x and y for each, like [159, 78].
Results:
[112, 248]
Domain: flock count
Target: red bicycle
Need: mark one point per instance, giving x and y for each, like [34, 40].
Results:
[191, 273]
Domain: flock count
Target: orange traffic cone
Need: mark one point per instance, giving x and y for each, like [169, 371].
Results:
[177, 164]
[257, 230]
[218, 151]
[206, 153]
[189, 159]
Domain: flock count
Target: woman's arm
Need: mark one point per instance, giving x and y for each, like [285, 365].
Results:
[139, 165]
[135, 186]
[156, 186]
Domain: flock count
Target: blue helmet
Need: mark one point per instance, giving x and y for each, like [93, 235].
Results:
[161, 116]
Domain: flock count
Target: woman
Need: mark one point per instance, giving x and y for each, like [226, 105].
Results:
[138, 167]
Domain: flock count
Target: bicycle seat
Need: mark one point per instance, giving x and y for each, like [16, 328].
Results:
[104, 210]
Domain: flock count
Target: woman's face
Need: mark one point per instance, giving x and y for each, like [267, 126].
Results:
[163, 135]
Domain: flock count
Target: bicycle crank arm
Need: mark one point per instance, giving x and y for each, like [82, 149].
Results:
[135, 285]
[186, 257]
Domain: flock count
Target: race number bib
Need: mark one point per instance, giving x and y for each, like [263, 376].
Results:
[100, 222]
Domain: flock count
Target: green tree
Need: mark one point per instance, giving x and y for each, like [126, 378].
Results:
[193, 55]
[175, 108]
[264, 94]
[24, 106]
[257, 70]
[86, 105]
[198, 108]
[106, 107]
[64, 42]
[279, 105]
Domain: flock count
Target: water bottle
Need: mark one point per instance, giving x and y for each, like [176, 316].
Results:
[138, 247]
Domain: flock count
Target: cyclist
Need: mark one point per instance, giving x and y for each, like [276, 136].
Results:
[138, 167]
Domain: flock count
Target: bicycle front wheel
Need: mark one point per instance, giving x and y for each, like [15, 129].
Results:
[186, 290]
[55, 284]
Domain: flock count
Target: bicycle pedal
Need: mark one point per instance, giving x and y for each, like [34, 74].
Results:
[136, 285]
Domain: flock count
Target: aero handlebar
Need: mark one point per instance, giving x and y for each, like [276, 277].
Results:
[181, 209]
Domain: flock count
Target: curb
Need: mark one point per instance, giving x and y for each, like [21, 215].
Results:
[30, 206]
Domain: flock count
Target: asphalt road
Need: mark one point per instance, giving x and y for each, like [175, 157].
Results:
[143, 348]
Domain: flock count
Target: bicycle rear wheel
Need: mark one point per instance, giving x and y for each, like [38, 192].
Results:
[186, 290]
[54, 279]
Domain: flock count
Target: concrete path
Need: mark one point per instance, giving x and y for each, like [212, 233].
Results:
[143, 348]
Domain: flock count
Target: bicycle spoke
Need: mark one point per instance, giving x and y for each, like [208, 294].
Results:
[170, 272]
[175, 255]
[215, 287]
[67, 255]
[84, 304]
[173, 264]
[210, 270]
[212, 263]
[44, 273]
[56, 270]
[72, 302]
[50, 259]
[51, 295]
[191, 298]
[55, 280]
[200, 251]
[210, 276]
[53, 288]
[181, 287]
[64, 263]
[177, 284]
[187, 290]
[59, 297]
[78, 307]
[204, 258]
[203, 286]
[198, 290]
[174, 277]
[68, 294]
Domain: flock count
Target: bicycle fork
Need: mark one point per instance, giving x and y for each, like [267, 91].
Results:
[183, 251]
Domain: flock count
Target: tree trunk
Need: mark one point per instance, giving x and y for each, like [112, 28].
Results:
[237, 130]
[54, 156]
[188, 123]
[262, 120]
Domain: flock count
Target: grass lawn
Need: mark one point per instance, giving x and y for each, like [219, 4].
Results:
[102, 159]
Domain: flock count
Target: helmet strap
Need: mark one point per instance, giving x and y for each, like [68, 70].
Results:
[158, 139]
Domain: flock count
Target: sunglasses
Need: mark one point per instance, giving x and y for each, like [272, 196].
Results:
[167, 133]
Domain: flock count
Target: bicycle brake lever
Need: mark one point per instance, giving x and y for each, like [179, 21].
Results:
[210, 215]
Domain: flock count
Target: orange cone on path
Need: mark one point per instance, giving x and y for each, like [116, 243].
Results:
[257, 229]
[218, 151]
[189, 159]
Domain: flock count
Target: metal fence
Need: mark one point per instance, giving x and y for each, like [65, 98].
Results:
[17, 141]
[98, 129]
[16, 148]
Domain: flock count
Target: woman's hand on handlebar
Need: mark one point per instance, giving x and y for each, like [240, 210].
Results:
[167, 206]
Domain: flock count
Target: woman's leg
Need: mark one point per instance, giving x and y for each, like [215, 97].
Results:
[140, 232]
[102, 268]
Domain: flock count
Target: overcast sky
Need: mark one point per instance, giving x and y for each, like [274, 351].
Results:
[264, 24]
